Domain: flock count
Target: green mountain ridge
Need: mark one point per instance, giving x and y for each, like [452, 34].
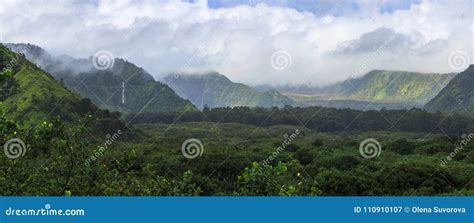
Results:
[30, 96]
[392, 86]
[376, 89]
[457, 96]
[124, 87]
[216, 90]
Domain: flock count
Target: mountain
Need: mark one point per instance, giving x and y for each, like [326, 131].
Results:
[216, 90]
[122, 87]
[457, 96]
[29, 96]
[376, 89]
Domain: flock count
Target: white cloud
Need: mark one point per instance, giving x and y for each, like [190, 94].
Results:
[164, 36]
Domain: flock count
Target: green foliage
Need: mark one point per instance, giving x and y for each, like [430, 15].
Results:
[8, 85]
[403, 147]
[266, 180]
[305, 156]
[54, 164]
[322, 119]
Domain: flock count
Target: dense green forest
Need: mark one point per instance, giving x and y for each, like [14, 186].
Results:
[234, 162]
[322, 119]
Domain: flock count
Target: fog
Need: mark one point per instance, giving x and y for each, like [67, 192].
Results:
[254, 43]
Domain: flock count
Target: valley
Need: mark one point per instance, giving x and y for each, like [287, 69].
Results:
[192, 137]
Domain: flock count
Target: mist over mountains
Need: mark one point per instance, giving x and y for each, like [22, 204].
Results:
[29, 95]
[123, 87]
[128, 88]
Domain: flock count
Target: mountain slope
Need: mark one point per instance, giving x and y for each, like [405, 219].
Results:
[123, 87]
[391, 89]
[216, 90]
[398, 86]
[29, 95]
[457, 96]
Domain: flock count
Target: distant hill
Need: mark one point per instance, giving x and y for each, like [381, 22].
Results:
[216, 90]
[124, 87]
[29, 96]
[457, 96]
[376, 89]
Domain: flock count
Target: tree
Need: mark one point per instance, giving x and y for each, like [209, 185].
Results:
[403, 147]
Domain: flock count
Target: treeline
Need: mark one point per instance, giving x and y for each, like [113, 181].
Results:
[321, 119]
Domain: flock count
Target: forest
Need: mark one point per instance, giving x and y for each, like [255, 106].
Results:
[321, 119]
[146, 159]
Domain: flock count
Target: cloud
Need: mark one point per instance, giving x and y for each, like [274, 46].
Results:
[326, 44]
[391, 41]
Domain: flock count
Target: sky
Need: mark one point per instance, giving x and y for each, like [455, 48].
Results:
[254, 42]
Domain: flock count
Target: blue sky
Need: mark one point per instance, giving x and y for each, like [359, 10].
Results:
[318, 7]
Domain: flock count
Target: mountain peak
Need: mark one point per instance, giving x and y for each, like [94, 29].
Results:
[216, 90]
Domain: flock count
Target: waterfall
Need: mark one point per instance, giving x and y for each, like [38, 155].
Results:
[123, 92]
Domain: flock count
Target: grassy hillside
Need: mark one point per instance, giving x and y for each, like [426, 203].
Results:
[31, 96]
[216, 90]
[457, 96]
[104, 87]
